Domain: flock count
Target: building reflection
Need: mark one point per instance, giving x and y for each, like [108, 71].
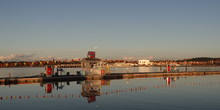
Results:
[169, 80]
[91, 89]
[48, 88]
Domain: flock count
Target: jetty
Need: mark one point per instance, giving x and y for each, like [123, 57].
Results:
[66, 78]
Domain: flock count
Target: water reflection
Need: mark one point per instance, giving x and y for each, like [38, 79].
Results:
[91, 89]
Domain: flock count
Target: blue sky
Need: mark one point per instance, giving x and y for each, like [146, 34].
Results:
[163, 29]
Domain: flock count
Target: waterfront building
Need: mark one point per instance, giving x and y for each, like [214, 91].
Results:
[144, 62]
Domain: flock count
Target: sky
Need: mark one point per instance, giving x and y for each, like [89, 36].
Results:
[115, 29]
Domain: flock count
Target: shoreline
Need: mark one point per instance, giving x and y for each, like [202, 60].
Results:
[122, 66]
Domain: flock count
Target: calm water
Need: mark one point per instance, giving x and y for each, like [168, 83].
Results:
[177, 93]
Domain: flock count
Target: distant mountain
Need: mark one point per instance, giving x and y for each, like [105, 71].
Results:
[199, 59]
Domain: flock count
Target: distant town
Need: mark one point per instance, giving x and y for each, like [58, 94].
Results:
[76, 63]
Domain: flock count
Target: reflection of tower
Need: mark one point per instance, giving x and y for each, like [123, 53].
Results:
[91, 89]
[168, 80]
[57, 85]
[48, 88]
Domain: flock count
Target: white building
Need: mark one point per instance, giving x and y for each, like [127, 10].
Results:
[144, 62]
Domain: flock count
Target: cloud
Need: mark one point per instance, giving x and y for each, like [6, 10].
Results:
[32, 57]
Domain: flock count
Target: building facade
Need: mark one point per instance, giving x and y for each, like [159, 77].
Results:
[144, 62]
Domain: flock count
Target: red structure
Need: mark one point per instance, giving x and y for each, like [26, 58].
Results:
[91, 54]
[49, 88]
[91, 99]
[168, 80]
[168, 68]
[49, 70]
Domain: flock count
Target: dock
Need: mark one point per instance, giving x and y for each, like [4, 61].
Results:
[112, 76]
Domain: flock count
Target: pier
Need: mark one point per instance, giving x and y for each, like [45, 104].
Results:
[66, 78]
